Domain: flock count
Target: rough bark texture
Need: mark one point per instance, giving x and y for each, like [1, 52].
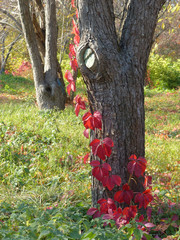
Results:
[116, 86]
[50, 91]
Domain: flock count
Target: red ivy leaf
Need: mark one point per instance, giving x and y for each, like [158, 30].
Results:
[133, 157]
[79, 104]
[68, 76]
[72, 51]
[99, 173]
[125, 195]
[106, 205]
[108, 144]
[71, 81]
[97, 215]
[130, 212]
[143, 198]
[111, 181]
[97, 149]
[97, 120]
[102, 148]
[137, 166]
[72, 3]
[102, 200]
[86, 133]
[74, 64]
[108, 182]
[71, 86]
[116, 179]
[92, 211]
[86, 158]
[106, 166]
[88, 120]
[95, 163]
[76, 13]
[92, 121]
[75, 30]
[77, 39]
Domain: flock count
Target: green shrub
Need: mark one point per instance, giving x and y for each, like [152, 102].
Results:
[164, 73]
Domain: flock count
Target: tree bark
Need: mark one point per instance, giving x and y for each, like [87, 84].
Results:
[115, 84]
[50, 91]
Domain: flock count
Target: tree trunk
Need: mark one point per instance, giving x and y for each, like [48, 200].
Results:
[50, 92]
[115, 80]
[3, 38]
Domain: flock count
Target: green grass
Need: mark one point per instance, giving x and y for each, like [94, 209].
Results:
[45, 188]
[163, 134]
[16, 85]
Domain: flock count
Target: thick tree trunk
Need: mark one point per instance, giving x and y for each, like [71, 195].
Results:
[50, 91]
[115, 82]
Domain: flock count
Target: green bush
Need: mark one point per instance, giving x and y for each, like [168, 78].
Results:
[164, 73]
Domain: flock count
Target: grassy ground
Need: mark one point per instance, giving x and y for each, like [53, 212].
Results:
[45, 188]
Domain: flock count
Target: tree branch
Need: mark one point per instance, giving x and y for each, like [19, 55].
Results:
[9, 51]
[42, 14]
[10, 25]
[12, 18]
[138, 29]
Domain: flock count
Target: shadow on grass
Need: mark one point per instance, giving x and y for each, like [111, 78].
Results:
[15, 85]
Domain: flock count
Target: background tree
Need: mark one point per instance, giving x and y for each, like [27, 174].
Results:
[39, 25]
[114, 69]
[167, 31]
[10, 28]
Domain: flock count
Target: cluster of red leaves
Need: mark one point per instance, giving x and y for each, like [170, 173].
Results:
[25, 66]
[125, 195]
[136, 166]
[101, 173]
[72, 56]
[143, 198]
[75, 31]
[6, 72]
[109, 210]
[72, 3]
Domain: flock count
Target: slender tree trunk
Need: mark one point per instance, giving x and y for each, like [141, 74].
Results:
[4, 35]
[50, 91]
[5, 59]
[115, 81]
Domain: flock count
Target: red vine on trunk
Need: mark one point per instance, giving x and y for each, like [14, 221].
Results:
[102, 148]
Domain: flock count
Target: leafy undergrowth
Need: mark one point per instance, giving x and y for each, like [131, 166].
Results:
[45, 188]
